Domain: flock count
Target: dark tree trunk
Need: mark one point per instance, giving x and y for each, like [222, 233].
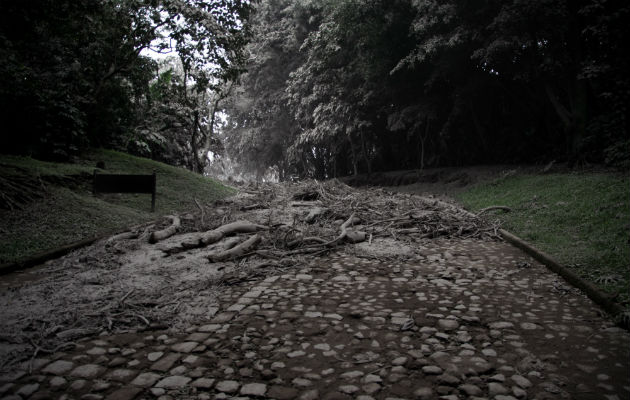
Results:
[422, 141]
[354, 156]
[366, 156]
[197, 165]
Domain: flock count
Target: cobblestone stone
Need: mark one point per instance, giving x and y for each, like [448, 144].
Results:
[253, 389]
[185, 347]
[145, 379]
[203, 383]
[124, 393]
[165, 363]
[154, 356]
[521, 381]
[58, 367]
[173, 382]
[495, 389]
[282, 393]
[87, 371]
[121, 375]
[227, 386]
[28, 390]
[57, 382]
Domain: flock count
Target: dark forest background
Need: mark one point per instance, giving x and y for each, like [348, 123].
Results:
[319, 88]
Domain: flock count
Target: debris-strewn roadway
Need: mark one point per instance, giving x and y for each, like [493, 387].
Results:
[409, 298]
[473, 319]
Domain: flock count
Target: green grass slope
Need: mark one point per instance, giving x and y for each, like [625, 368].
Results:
[580, 219]
[67, 211]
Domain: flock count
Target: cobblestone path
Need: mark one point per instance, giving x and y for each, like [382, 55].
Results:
[474, 320]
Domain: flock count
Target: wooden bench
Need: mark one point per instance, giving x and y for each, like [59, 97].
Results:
[121, 183]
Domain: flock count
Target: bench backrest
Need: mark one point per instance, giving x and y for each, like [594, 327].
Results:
[122, 183]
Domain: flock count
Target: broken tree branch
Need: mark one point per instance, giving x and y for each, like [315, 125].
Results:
[217, 234]
[236, 251]
[195, 240]
[167, 232]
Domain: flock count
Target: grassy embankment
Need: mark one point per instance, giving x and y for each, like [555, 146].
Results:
[68, 212]
[580, 219]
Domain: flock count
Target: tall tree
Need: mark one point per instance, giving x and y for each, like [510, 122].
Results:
[260, 125]
[379, 85]
[83, 70]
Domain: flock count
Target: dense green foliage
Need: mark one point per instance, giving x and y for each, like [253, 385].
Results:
[339, 87]
[177, 120]
[73, 75]
[580, 219]
[68, 212]
[332, 87]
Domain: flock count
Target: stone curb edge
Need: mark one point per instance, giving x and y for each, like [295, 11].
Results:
[41, 258]
[45, 256]
[602, 300]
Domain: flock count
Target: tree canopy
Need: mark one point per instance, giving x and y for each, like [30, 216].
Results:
[319, 88]
[73, 74]
[340, 87]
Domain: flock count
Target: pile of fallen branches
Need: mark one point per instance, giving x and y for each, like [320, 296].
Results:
[169, 274]
[279, 221]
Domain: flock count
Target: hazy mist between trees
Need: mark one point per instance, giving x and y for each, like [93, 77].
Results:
[318, 88]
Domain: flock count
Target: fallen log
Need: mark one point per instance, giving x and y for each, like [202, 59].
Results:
[202, 239]
[231, 243]
[167, 232]
[217, 234]
[236, 251]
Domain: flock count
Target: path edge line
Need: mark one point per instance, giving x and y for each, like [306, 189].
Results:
[61, 251]
[599, 298]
